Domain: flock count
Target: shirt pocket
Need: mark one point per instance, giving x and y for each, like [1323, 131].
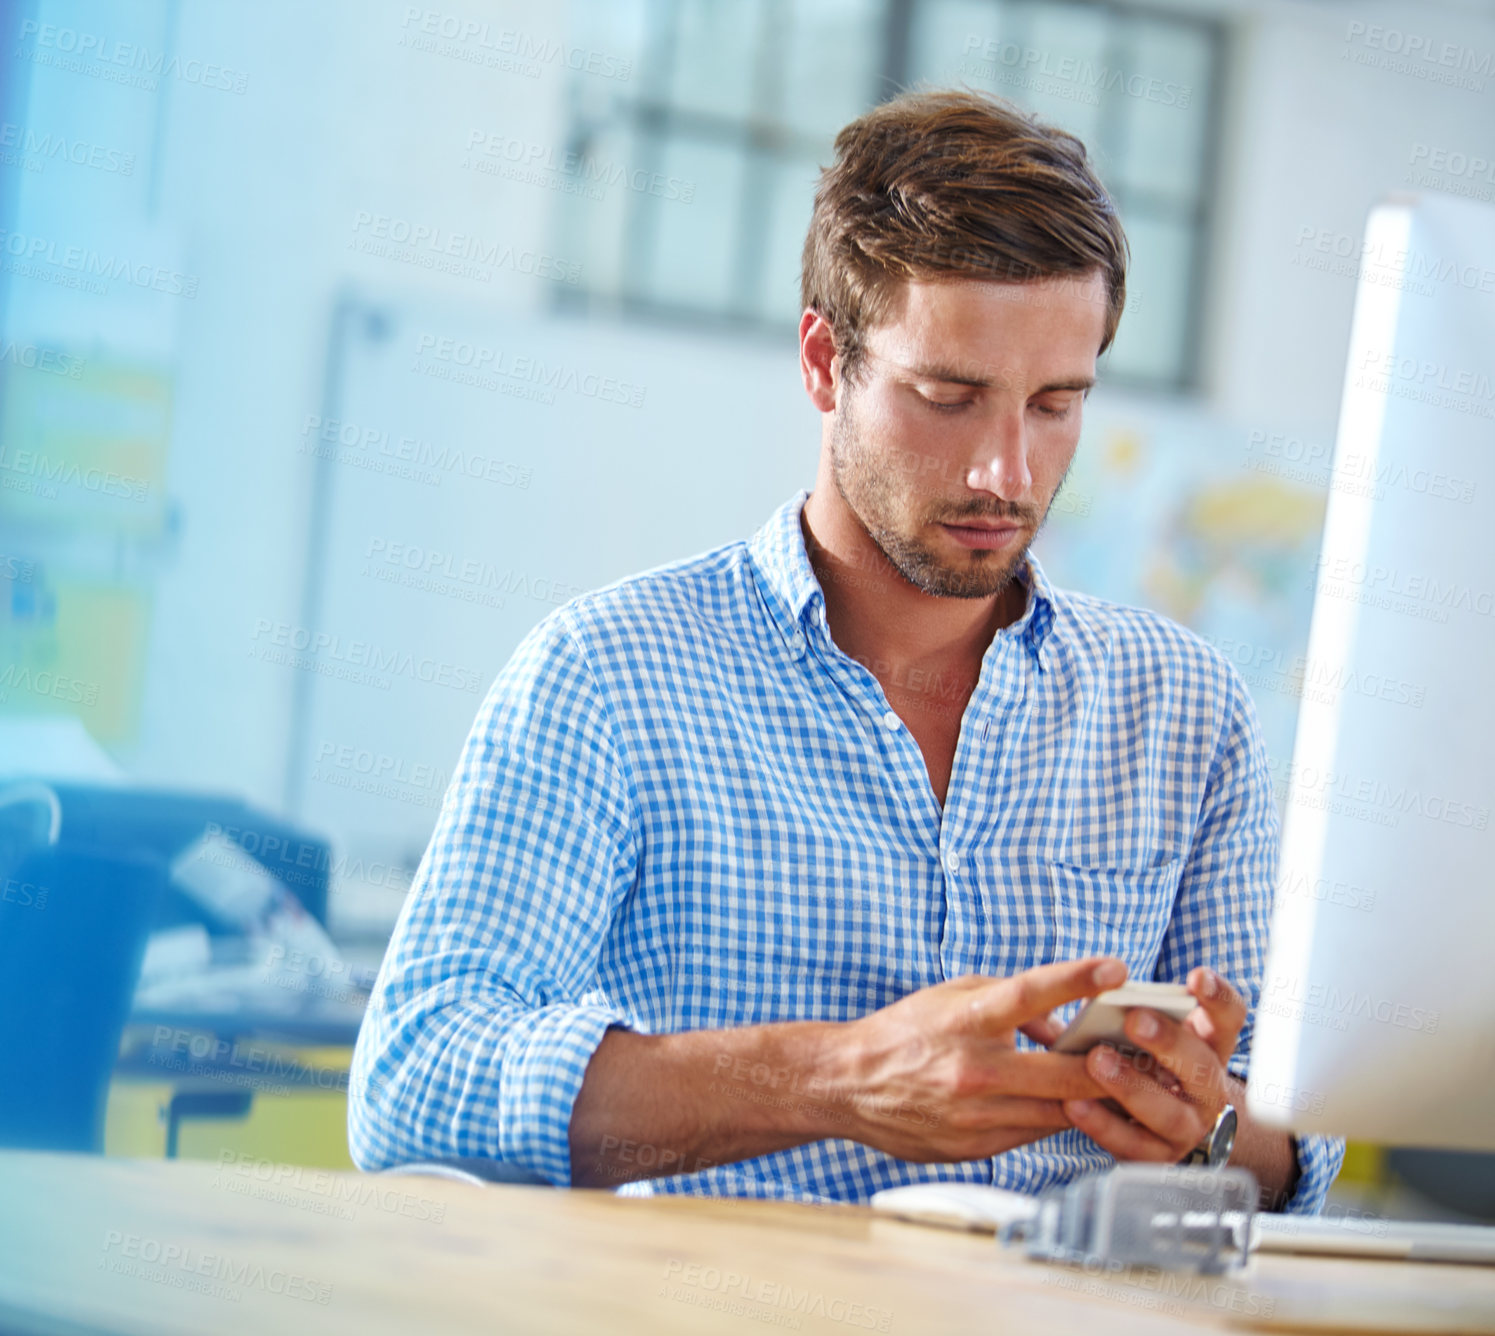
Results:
[1122, 912]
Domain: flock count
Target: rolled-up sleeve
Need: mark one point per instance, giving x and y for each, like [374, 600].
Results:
[1319, 1161]
[479, 1030]
[1222, 913]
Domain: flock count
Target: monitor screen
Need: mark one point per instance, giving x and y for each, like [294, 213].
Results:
[1377, 1011]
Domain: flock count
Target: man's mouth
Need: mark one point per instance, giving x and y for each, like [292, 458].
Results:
[983, 534]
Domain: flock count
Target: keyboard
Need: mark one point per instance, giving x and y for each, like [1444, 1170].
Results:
[1367, 1236]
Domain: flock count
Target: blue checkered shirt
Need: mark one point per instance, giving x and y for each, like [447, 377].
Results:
[682, 806]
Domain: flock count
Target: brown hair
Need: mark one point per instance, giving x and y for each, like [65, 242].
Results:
[954, 184]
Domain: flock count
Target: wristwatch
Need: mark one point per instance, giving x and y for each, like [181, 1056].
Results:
[1214, 1150]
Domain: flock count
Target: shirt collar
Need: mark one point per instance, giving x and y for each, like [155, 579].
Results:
[790, 585]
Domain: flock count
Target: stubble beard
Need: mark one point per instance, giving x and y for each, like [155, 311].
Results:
[869, 493]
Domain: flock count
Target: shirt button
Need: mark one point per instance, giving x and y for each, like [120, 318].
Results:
[952, 861]
[796, 642]
[891, 720]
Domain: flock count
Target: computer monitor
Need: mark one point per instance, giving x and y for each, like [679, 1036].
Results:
[1376, 1018]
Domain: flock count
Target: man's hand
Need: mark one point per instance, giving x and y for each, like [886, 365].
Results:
[1176, 1088]
[937, 1075]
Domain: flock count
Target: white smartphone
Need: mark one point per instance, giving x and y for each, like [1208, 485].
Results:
[1101, 1020]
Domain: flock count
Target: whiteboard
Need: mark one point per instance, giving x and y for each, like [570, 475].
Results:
[476, 468]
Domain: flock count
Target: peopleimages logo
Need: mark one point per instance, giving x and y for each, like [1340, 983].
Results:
[1096, 79]
[32, 145]
[1473, 166]
[44, 682]
[85, 263]
[184, 1267]
[28, 465]
[404, 456]
[114, 61]
[300, 863]
[1342, 894]
[25, 894]
[431, 247]
[1417, 54]
[1380, 585]
[739, 1294]
[34, 358]
[575, 172]
[1357, 474]
[1406, 264]
[1422, 371]
[479, 42]
[1269, 668]
[324, 1191]
[1290, 1097]
[1345, 1003]
[483, 362]
[432, 570]
[1381, 801]
[378, 775]
[19, 569]
[1456, 173]
[354, 660]
[90, 263]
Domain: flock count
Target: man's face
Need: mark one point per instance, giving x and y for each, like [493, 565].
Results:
[966, 412]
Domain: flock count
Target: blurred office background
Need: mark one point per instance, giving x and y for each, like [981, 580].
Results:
[344, 341]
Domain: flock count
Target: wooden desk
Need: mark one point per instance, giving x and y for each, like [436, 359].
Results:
[113, 1245]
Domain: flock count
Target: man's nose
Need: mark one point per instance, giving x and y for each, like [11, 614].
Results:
[1002, 467]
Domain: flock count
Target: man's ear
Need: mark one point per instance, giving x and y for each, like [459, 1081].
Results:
[818, 367]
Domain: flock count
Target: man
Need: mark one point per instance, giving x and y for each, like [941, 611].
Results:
[775, 871]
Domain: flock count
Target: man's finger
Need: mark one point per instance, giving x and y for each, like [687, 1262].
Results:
[1172, 1117]
[1034, 993]
[1117, 1134]
[1022, 1112]
[1175, 1047]
[1044, 1075]
[1042, 1031]
[1224, 1011]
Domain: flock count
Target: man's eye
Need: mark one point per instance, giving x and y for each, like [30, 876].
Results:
[1048, 410]
[952, 406]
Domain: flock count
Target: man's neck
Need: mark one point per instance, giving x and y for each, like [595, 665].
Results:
[877, 617]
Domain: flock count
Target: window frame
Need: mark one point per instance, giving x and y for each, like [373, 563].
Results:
[650, 116]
